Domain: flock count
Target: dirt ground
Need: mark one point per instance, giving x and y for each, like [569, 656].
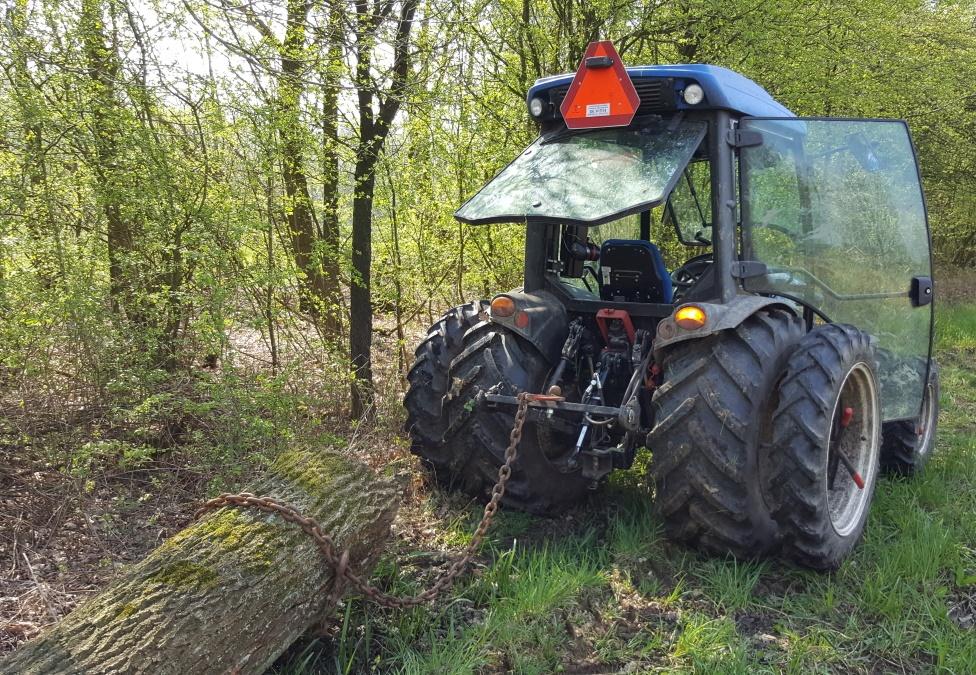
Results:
[67, 531]
[64, 538]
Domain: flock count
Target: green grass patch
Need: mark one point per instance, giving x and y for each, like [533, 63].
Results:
[955, 327]
[729, 582]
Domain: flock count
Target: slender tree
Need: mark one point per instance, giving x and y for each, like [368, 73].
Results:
[107, 136]
[331, 74]
[374, 127]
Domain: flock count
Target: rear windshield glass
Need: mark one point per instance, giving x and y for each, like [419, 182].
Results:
[588, 177]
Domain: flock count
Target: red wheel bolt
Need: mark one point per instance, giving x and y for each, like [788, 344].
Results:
[846, 417]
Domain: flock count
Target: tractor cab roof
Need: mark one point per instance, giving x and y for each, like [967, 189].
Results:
[661, 89]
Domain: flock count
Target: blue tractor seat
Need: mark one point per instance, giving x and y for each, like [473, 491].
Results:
[632, 270]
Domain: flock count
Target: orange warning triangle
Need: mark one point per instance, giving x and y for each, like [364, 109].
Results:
[601, 94]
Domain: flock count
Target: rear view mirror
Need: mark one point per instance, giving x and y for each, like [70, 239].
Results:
[863, 152]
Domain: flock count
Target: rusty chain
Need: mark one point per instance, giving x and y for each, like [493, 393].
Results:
[339, 561]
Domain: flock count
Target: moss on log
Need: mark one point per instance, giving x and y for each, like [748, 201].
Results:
[230, 592]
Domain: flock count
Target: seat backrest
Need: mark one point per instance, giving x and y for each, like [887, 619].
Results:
[632, 270]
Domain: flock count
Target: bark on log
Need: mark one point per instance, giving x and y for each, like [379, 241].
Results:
[231, 592]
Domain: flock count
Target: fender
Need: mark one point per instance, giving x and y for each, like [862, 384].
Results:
[539, 318]
[720, 317]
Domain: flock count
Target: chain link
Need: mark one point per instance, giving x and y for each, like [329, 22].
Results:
[339, 561]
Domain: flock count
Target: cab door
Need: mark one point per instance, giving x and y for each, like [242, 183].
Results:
[835, 211]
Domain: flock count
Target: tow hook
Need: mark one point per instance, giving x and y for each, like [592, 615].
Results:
[546, 398]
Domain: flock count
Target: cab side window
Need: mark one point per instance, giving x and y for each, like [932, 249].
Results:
[689, 208]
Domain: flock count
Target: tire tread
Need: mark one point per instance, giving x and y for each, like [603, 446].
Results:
[706, 465]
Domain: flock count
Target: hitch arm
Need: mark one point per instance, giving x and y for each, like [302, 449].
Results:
[553, 403]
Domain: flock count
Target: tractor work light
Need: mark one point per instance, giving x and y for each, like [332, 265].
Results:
[690, 317]
[502, 306]
[537, 107]
[693, 94]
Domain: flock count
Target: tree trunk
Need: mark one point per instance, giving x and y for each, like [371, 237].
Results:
[373, 130]
[302, 228]
[360, 294]
[101, 63]
[332, 80]
[33, 202]
[231, 592]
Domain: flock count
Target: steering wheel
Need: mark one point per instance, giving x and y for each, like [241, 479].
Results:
[685, 276]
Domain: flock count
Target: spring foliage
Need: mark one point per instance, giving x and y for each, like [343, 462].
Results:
[201, 182]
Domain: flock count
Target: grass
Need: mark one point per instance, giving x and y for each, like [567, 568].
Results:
[604, 592]
[955, 328]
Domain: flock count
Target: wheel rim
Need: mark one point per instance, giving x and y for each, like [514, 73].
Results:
[926, 421]
[859, 440]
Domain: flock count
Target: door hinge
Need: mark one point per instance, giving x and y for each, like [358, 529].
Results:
[746, 269]
[744, 138]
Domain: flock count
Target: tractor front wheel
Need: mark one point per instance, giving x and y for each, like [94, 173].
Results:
[906, 445]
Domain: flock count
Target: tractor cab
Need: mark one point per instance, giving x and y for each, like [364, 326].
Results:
[645, 186]
[695, 256]
[708, 189]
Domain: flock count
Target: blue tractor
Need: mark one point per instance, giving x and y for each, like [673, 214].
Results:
[746, 293]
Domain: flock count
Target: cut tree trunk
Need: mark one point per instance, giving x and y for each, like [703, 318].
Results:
[232, 591]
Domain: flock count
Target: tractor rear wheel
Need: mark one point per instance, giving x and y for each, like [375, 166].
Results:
[826, 445]
[906, 445]
[464, 440]
[428, 382]
[713, 411]
[545, 479]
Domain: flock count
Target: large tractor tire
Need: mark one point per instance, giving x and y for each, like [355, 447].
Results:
[713, 412]
[828, 404]
[907, 445]
[428, 382]
[464, 440]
